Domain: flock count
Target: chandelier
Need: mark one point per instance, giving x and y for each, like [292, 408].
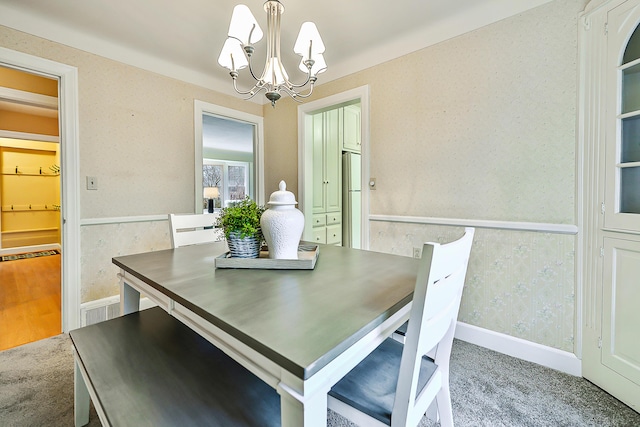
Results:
[236, 53]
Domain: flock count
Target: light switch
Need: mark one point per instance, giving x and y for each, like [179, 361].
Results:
[92, 183]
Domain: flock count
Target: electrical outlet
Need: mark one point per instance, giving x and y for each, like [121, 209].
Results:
[92, 183]
[417, 253]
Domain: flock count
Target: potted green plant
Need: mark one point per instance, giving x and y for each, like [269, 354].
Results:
[241, 225]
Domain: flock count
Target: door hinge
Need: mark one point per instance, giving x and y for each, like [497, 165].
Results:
[601, 252]
[599, 342]
[606, 28]
[602, 208]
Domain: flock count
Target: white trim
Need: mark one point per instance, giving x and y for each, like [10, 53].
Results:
[123, 219]
[481, 223]
[200, 108]
[70, 174]
[28, 136]
[27, 249]
[305, 154]
[522, 349]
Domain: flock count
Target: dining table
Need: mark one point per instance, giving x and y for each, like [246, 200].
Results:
[299, 330]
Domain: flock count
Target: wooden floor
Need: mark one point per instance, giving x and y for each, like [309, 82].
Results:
[29, 300]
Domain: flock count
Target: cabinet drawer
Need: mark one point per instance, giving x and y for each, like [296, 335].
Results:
[334, 218]
[319, 220]
[320, 235]
[334, 234]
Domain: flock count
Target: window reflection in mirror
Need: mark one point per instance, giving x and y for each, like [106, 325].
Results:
[227, 159]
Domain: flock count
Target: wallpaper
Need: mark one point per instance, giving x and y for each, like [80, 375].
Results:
[100, 243]
[518, 283]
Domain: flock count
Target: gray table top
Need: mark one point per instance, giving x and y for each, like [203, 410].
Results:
[300, 319]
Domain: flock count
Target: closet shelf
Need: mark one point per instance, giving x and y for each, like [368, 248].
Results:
[52, 170]
[30, 208]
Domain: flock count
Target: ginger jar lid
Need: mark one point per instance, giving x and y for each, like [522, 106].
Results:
[282, 197]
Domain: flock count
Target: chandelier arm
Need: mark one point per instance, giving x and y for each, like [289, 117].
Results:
[260, 89]
[295, 94]
[251, 70]
[293, 85]
[255, 89]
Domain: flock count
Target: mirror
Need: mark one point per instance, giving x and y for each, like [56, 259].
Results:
[229, 161]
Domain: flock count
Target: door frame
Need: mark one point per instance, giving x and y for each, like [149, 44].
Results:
[592, 131]
[67, 77]
[305, 151]
[200, 108]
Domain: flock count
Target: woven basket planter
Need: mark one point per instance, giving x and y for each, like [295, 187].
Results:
[246, 247]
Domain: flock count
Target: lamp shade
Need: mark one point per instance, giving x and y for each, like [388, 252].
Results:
[210, 192]
[309, 43]
[242, 22]
[232, 56]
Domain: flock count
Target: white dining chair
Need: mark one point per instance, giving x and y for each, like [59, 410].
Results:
[395, 385]
[193, 229]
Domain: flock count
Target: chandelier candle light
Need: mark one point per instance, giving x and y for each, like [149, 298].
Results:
[244, 31]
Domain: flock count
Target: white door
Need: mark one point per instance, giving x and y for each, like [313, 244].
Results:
[618, 367]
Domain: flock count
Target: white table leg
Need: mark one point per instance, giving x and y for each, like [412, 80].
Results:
[298, 411]
[81, 397]
[129, 298]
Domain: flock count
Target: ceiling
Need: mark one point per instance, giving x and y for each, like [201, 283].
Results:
[182, 39]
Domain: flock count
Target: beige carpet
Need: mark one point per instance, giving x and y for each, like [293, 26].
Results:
[488, 389]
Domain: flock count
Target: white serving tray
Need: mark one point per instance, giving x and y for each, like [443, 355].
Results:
[307, 257]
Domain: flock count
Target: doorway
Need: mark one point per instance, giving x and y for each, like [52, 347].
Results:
[30, 238]
[229, 161]
[323, 153]
[67, 78]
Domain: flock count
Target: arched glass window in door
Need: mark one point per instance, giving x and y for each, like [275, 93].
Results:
[628, 163]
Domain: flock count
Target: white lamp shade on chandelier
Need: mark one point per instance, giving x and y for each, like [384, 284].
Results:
[237, 50]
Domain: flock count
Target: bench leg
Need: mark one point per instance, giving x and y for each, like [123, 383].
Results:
[81, 397]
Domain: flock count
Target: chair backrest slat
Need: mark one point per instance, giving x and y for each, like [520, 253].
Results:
[432, 321]
[190, 229]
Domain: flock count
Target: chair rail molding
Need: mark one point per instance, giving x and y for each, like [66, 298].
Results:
[480, 223]
[122, 219]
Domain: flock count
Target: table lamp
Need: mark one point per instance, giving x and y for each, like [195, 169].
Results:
[210, 193]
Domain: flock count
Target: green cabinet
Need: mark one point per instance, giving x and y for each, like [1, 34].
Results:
[327, 177]
[327, 171]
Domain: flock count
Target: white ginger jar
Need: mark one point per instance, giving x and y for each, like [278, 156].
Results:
[282, 224]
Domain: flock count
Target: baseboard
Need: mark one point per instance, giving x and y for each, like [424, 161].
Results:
[522, 349]
[27, 249]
